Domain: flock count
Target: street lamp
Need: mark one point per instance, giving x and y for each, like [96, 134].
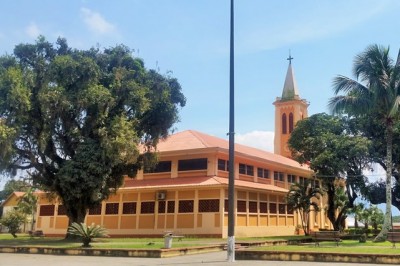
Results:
[231, 184]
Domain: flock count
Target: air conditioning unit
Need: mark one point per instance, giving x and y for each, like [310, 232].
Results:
[161, 195]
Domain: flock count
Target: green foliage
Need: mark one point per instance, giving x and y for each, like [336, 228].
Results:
[13, 219]
[372, 216]
[333, 150]
[87, 233]
[326, 143]
[363, 238]
[79, 120]
[374, 95]
[303, 198]
[357, 210]
[28, 205]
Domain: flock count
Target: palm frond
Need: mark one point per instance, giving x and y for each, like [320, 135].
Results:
[373, 63]
[395, 108]
[84, 231]
[348, 85]
[398, 59]
[349, 104]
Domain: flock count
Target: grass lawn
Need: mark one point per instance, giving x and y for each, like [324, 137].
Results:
[129, 243]
[346, 246]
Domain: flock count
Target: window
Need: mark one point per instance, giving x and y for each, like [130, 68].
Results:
[112, 208]
[263, 207]
[302, 180]
[279, 176]
[161, 167]
[223, 165]
[147, 207]
[290, 209]
[211, 205]
[171, 207]
[46, 210]
[245, 169]
[284, 122]
[272, 207]
[161, 207]
[192, 164]
[291, 179]
[290, 122]
[185, 206]
[95, 210]
[129, 208]
[250, 170]
[242, 169]
[62, 210]
[241, 206]
[262, 173]
[282, 208]
[253, 207]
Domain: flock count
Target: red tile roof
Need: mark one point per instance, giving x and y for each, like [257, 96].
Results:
[191, 139]
[204, 181]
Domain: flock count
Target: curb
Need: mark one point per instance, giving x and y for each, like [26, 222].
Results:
[141, 253]
[319, 257]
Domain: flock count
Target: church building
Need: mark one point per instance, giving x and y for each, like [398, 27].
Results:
[187, 192]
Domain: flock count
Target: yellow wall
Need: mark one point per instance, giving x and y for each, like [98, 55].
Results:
[199, 223]
[128, 222]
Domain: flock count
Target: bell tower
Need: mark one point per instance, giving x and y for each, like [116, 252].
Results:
[289, 109]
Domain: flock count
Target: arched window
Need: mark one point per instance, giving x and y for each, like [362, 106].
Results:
[290, 122]
[284, 124]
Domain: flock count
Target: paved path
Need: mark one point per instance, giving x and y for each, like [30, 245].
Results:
[214, 258]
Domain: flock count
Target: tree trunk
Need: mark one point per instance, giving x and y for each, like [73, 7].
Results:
[387, 224]
[331, 212]
[76, 214]
[355, 221]
[33, 221]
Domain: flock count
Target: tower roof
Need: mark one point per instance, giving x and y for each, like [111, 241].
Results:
[290, 90]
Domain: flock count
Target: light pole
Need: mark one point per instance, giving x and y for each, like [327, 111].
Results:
[231, 184]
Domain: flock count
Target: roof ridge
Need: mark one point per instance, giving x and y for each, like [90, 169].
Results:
[199, 135]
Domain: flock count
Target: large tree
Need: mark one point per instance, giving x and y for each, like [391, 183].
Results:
[374, 130]
[375, 93]
[78, 121]
[333, 152]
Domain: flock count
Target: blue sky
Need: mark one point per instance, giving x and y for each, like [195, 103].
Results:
[191, 39]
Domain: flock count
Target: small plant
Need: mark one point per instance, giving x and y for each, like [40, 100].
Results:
[13, 220]
[87, 233]
[363, 238]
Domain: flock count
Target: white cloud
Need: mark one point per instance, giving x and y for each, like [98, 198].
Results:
[96, 23]
[33, 30]
[263, 140]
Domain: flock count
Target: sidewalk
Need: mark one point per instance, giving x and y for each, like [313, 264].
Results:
[214, 258]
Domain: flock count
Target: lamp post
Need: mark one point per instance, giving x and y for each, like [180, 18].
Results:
[231, 184]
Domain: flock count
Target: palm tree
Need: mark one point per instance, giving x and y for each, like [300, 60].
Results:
[374, 93]
[302, 198]
[28, 205]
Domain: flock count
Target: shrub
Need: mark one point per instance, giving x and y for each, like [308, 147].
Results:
[13, 220]
[87, 233]
[363, 238]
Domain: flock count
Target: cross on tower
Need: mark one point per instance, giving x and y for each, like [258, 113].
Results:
[290, 58]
